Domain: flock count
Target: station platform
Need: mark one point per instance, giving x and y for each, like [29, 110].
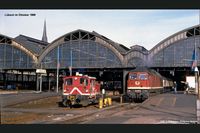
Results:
[168, 108]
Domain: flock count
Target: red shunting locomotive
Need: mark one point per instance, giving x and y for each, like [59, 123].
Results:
[80, 89]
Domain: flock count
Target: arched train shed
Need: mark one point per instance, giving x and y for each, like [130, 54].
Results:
[93, 52]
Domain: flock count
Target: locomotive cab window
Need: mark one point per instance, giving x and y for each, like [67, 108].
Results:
[92, 82]
[84, 81]
[133, 76]
[81, 80]
[68, 81]
[143, 76]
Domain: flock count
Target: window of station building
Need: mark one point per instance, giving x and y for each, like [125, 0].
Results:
[44, 78]
[92, 48]
[133, 76]
[169, 56]
[25, 77]
[32, 78]
[19, 77]
[143, 76]
[179, 56]
[68, 81]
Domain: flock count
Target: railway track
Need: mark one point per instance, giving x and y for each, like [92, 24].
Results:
[21, 98]
[46, 110]
[107, 112]
[100, 113]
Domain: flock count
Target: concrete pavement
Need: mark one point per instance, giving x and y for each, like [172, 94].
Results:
[165, 108]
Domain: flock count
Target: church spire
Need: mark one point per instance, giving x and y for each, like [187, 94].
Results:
[44, 37]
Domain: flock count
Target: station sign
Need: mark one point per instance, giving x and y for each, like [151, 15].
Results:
[42, 71]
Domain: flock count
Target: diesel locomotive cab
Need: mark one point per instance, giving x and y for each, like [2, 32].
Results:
[80, 89]
[142, 84]
[136, 86]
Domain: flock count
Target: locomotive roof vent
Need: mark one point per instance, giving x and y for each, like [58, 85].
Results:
[92, 77]
[78, 74]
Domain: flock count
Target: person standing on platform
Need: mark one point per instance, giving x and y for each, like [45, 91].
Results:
[175, 87]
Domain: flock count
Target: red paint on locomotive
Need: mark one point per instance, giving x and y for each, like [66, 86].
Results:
[141, 83]
[80, 85]
[143, 80]
[80, 88]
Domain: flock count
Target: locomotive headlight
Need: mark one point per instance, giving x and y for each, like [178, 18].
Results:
[137, 82]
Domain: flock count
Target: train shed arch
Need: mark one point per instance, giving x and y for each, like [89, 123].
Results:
[176, 50]
[13, 55]
[136, 56]
[89, 50]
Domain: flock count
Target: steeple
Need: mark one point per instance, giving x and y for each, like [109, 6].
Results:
[44, 37]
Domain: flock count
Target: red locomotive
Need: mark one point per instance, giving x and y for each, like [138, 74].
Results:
[143, 82]
[80, 89]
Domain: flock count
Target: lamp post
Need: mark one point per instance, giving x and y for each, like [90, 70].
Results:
[40, 72]
[58, 66]
[70, 67]
[40, 83]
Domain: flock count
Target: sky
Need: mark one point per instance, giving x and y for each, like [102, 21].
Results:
[128, 27]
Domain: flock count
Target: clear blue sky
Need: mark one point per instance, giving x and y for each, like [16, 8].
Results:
[128, 27]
